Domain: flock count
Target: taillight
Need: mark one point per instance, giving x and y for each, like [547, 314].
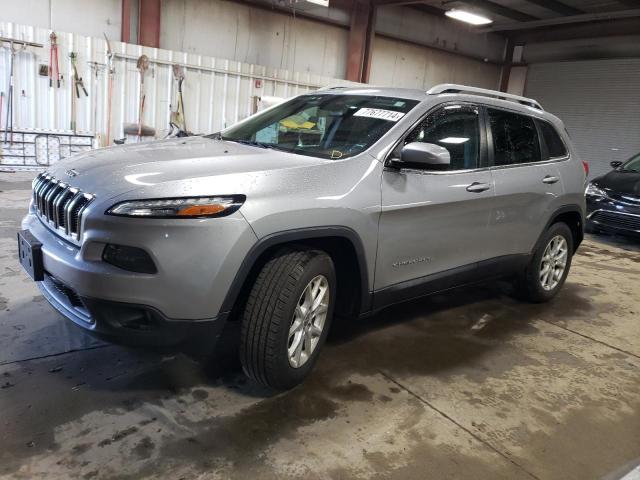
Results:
[585, 165]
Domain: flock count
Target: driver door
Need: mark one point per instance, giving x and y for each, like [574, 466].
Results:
[434, 221]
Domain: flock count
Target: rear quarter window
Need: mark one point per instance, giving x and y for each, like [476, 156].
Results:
[555, 145]
[515, 138]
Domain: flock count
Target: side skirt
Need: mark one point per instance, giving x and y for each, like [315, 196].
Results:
[456, 277]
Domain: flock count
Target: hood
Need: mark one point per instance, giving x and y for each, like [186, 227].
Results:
[113, 171]
[622, 183]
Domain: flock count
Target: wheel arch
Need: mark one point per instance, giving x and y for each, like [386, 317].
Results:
[573, 217]
[341, 243]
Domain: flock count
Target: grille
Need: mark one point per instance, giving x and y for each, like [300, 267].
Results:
[618, 220]
[59, 205]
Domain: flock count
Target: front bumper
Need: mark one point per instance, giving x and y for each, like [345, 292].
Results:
[129, 324]
[613, 216]
[196, 260]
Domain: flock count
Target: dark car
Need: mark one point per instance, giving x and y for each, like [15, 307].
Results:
[613, 200]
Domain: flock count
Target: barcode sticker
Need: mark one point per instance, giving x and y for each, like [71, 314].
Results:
[389, 115]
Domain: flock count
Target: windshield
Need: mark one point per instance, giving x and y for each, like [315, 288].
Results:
[326, 126]
[632, 165]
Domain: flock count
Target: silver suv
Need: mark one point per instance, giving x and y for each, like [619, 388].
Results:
[333, 204]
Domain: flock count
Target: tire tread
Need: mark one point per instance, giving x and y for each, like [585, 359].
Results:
[264, 313]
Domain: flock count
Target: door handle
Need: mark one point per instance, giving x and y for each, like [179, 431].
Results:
[477, 187]
[550, 179]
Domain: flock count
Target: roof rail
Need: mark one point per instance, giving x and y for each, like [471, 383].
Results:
[453, 88]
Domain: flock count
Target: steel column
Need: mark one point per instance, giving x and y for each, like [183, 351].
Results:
[506, 66]
[361, 35]
[149, 23]
[125, 27]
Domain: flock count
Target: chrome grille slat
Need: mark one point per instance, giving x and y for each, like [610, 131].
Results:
[56, 203]
[59, 205]
[49, 198]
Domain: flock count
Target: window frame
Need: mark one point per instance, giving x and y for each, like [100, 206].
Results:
[483, 158]
[542, 144]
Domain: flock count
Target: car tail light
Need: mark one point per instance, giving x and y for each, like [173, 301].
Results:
[585, 165]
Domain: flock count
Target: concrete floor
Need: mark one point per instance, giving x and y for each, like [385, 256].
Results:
[469, 384]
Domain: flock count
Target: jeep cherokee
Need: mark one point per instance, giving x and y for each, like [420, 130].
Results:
[335, 203]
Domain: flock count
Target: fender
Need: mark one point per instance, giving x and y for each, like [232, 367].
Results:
[291, 236]
[571, 208]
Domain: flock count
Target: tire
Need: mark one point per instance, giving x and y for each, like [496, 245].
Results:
[533, 285]
[265, 337]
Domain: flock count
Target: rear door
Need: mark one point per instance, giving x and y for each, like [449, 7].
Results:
[527, 182]
[435, 221]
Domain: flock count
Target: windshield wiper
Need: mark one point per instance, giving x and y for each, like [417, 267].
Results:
[253, 143]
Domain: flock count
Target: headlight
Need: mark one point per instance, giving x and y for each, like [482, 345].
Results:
[594, 191]
[189, 207]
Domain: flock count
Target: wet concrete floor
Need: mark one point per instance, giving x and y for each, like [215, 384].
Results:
[469, 384]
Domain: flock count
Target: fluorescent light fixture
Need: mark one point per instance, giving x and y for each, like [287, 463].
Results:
[322, 3]
[454, 140]
[467, 17]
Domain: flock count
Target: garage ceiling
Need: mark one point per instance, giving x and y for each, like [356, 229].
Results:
[513, 17]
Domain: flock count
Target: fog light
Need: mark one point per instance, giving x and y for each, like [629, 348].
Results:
[132, 259]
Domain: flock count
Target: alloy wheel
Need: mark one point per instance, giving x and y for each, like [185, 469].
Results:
[308, 321]
[553, 262]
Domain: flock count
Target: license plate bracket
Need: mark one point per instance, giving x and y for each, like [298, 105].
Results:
[30, 255]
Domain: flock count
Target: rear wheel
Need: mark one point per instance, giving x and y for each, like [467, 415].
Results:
[549, 266]
[287, 317]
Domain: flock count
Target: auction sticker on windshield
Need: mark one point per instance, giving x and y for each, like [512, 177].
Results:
[389, 115]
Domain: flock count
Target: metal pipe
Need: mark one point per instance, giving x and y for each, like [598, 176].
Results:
[202, 68]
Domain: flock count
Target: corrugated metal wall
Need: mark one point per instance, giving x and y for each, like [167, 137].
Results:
[217, 92]
[599, 102]
[407, 65]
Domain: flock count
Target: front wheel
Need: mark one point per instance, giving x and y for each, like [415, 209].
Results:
[549, 266]
[287, 317]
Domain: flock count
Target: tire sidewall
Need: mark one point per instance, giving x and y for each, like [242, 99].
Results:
[288, 376]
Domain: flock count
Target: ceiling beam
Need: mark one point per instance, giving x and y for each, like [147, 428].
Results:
[552, 22]
[607, 28]
[492, 7]
[428, 9]
[381, 3]
[558, 7]
[415, 4]
[630, 3]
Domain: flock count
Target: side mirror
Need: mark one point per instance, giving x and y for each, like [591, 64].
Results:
[422, 155]
[616, 163]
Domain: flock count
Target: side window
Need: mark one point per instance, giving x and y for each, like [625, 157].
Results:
[515, 138]
[555, 146]
[456, 128]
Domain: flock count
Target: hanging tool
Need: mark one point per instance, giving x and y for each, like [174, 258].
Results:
[53, 60]
[111, 71]
[1, 102]
[141, 130]
[9, 117]
[77, 79]
[77, 85]
[8, 131]
[143, 66]
[96, 68]
[177, 117]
